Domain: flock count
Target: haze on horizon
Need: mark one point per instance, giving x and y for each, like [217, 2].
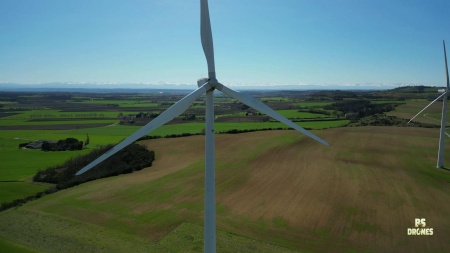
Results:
[268, 42]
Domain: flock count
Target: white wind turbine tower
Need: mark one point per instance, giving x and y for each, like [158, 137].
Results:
[206, 85]
[444, 96]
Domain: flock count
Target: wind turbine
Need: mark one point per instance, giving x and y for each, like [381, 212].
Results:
[206, 85]
[444, 95]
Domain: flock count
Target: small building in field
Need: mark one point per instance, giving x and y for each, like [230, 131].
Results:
[36, 144]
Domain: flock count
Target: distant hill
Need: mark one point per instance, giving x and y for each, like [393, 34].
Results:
[415, 89]
[141, 87]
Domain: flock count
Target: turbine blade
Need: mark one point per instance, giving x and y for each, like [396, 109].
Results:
[428, 106]
[163, 118]
[206, 37]
[446, 67]
[258, 105]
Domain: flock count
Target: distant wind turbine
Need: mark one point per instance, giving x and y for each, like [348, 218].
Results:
[444, 95]
[206, 85]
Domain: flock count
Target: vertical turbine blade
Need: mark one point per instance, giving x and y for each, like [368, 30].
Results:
[206, 37]
[432, 102]
[258, 105]
[174, 111]
[446, 67]
[440, 161]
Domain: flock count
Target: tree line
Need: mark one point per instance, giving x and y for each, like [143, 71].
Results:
[359, 108]
[132, 158]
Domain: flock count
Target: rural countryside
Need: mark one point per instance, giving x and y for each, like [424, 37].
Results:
[224, 126]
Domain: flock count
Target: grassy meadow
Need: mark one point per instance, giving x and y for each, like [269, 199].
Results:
[8, 246]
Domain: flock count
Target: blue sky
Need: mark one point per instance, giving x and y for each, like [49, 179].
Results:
[264, 42]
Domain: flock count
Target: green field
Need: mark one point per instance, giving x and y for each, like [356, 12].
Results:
[16, 190]
[55, 114]
[8, 246]
[276, 99]
[7, 103]
[102, 133]
[308, 104]
[78, 123]
[388, 102]
[21, 164]
[120, 103]
[295, 114]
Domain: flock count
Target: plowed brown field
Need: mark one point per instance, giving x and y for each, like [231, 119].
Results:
[361, 194]
[366, 190]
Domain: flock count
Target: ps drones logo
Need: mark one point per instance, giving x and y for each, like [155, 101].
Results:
[420, 228]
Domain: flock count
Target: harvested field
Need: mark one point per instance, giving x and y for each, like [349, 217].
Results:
[431, 115]
[367, 192]
[242, 119]
[359, 195]
[3, 114]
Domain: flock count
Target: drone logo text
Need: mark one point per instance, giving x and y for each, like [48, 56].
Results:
[420, 229]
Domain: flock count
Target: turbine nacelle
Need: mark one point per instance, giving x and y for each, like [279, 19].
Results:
[202, 81]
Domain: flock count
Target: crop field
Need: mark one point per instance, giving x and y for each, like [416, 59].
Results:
[388, 102]
[293, 114]
[55, 115]
[307, 104]
[278, 99]
[431, 115]
[111, 134]
[270, 188]
[121, 103]
[45, 123]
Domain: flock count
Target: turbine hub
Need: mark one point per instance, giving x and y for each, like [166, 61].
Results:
[213, 81]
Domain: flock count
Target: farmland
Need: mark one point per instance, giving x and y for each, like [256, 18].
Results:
[276, 187]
